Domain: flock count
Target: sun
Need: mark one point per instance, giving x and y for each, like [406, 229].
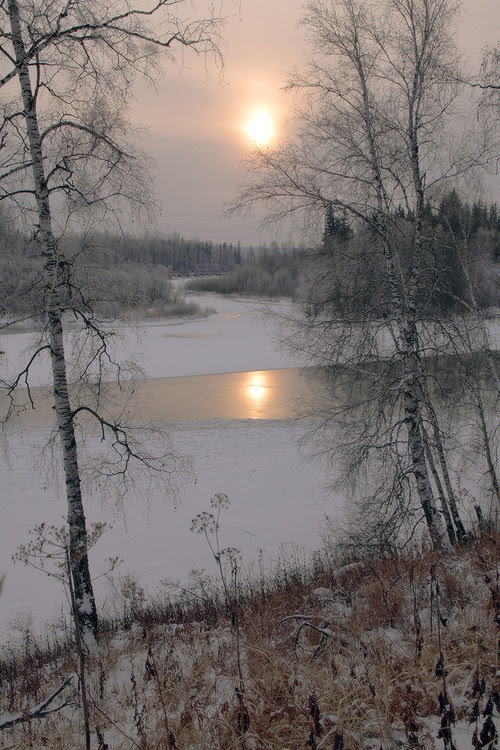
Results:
[260, 128]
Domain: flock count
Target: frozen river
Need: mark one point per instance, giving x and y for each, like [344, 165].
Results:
[239, 337]
[227, 394]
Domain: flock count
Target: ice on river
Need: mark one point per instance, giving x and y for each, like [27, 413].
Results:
[239, 337]
[276, 493]
[276, 498]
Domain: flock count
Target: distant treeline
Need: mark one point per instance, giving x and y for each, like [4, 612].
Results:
[121, 275]
[264, 272]
[117, 274]
[454, 227]
[112, 275]
[458, 219]
[148, 262]
[180, 256]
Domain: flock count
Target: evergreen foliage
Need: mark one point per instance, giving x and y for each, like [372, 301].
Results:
[354, 276]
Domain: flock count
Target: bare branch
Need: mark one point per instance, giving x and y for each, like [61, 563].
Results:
[42, 710]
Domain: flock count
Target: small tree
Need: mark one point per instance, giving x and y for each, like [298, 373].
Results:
[49, 551]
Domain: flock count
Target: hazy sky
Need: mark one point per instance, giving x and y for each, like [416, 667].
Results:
[196, 122]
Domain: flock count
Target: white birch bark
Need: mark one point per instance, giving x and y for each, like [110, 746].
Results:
[404, 310]
[421, 31]
[378, 95]
[84, 596]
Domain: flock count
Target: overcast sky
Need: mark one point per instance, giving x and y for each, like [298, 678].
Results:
[196, 123]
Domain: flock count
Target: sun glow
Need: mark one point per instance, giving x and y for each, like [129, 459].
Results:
[257, 387]
[260, 128]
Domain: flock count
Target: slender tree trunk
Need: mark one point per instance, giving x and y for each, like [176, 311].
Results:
[412, 399]
[402, 290]
[413, 379]
[440, 490]
[84, 596]
[438, 442]
[407, 333]
[417, 454]
[487, 449]
[81, 653]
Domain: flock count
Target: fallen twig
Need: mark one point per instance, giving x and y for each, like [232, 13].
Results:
[40, 711]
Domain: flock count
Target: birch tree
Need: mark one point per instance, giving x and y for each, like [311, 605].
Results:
[377, 132]
[66, 149]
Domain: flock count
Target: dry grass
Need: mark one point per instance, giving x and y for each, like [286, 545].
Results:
[357, 654]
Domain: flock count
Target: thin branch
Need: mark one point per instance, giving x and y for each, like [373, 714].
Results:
[41, 711]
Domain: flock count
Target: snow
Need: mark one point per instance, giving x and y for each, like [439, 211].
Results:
[277, 496]
[239, 337]
[246, 447]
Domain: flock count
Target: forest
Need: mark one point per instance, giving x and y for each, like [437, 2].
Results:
[274, 273]
[117, 275]
[131, 276]
[125, 275]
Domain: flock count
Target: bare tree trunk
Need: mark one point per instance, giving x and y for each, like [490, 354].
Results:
[440, 490]
[81, 652]
[412, 394]
[363, 149]
[413, 376]
[407, 329]
[487, 448]
[84, 595]
[412, 399]
[419, 465]
[441, 453]
[461, 532]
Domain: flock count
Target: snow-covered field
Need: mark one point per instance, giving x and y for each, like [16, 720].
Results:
[276, 495]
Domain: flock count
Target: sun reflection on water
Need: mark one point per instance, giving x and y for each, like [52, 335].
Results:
[257, 387]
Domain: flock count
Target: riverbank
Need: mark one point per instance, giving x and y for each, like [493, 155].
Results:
[350, 652]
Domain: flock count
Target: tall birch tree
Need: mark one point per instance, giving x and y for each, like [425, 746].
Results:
[377, 136]
[67, 67]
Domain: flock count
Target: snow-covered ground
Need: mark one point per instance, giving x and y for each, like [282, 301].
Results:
[276, 494]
